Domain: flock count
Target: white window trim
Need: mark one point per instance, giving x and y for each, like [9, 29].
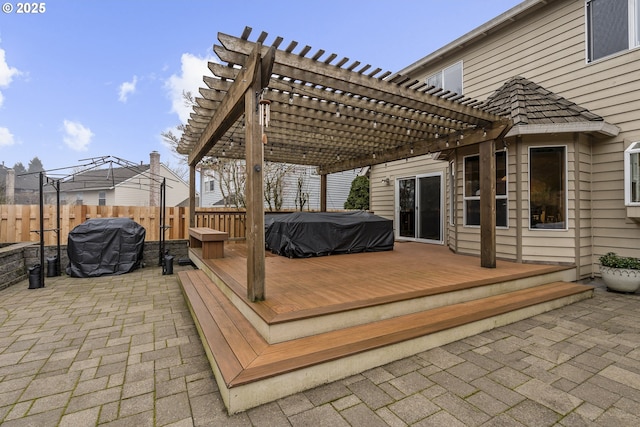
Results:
[441, 73]
[633, 148]
[633, 36]
[498, 196]
[566, 186]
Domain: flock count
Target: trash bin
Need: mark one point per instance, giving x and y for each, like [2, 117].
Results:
[52, 266]
[167, 265]
[35, 276]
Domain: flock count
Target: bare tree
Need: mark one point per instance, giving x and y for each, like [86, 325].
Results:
[274, 179]
[302, 197]
[173, 139]
[231, 178]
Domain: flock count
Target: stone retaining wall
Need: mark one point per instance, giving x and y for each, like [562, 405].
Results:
[16, 259]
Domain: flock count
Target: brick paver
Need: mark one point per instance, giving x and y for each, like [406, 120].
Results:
[123, 350]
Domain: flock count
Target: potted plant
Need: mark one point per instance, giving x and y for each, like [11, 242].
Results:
[620, 273]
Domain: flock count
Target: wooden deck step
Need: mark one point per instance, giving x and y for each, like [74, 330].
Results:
[242, 356]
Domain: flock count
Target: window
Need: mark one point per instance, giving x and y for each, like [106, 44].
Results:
[612, 27]
[79, 199]
[211, 185]
[547, 188]
[102, 198]
[632, 175]
[449, 78]
[472, 190]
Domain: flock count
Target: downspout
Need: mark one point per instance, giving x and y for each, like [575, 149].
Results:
[578, 212]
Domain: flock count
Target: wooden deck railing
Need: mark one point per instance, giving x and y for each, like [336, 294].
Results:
[231, 221]
[20, 223]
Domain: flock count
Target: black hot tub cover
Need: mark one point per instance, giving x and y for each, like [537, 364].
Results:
[307, 234]
[105, 246]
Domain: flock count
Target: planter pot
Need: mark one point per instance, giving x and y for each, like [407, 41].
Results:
[621, 279]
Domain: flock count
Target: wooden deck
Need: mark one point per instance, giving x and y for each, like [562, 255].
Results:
[300, 288]
[354, 312]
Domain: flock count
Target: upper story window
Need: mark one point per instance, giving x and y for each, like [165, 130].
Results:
[449, 78]
[632, 175]
[612, 27]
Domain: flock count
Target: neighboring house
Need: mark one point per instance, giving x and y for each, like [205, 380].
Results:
[19, 189]
[122, 185]
[299, 181]
[568, 175]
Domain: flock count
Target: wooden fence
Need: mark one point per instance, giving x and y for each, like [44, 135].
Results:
[21, 223]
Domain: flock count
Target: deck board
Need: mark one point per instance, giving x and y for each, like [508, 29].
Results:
[302, 288]
[243, 356]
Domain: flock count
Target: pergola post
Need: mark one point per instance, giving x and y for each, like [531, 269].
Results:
[323, 192]
[192, 195]
[488, 204]
[254, 194]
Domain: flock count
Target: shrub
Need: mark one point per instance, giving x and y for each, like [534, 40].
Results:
[612, 260]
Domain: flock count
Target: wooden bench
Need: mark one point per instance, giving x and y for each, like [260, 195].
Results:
[209, 240]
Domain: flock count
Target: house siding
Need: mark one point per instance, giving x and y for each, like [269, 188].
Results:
[383, 195]
[338, 188]
[547, 46]
[136, 191]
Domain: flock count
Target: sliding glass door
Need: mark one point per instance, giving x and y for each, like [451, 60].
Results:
[419, 208]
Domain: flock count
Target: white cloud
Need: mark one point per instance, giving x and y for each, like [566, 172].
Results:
[127, 88]
[6, 138]
[77, 137]
[190, 80]
[7, 73]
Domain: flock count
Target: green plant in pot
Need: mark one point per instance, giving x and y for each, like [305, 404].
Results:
[620, 273]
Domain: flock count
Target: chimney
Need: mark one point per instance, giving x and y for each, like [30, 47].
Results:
[10, 187]
[154, 169]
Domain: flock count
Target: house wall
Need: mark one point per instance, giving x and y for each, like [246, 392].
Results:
[338, 187]
[382, 195]
[547, 47]
[136, 191]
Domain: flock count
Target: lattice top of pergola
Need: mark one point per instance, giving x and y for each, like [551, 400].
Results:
[333, 114]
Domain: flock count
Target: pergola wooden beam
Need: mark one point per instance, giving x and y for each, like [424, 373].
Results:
[335, 115]
[230, 110]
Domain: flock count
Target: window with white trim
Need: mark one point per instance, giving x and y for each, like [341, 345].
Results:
[612, 27]
[548, 188]
[449, 78]
[632, 175]
[471, 194]
[102, 198]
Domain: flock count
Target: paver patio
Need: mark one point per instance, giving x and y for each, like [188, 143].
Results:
[123, 350]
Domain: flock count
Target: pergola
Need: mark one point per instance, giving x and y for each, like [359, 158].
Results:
[334, 114]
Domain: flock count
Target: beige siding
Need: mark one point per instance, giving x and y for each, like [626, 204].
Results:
[383, 195]
[136, 191]
[548, 47]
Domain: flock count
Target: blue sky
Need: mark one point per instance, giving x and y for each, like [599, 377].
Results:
[92, 78]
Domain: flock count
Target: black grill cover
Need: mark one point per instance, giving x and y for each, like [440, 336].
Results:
[306, 234]
[105, 246]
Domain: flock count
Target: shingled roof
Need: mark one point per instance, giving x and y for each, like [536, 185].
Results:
[100, 179]
[535, 109]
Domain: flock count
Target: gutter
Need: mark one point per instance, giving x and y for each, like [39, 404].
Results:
[493, 25]
[601, 128]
